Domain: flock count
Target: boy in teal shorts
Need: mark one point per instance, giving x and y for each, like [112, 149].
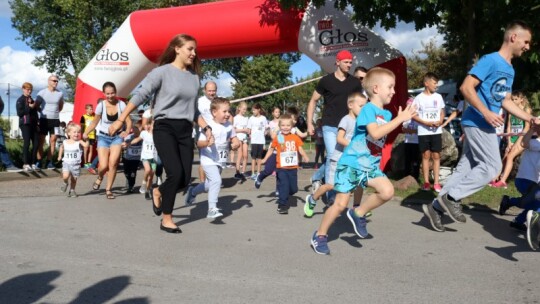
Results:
[359, 164]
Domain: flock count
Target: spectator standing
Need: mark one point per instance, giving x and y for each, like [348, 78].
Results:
[51, 102]
[27, 110]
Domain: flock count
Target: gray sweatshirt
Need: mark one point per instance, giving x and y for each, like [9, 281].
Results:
[175, 92]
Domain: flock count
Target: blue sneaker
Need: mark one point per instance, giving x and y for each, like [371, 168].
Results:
[319, 243]
[309, 205]
[190, 198]
[359, 223]
[257, 183]
[50, 165]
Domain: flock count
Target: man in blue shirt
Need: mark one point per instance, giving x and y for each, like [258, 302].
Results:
[486, 88]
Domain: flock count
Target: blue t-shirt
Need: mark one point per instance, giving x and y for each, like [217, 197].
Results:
[364, 152]
[496, 77]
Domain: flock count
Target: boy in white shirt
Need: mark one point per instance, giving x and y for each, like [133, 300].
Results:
[257, 124]
[214, 155]
[430, 105]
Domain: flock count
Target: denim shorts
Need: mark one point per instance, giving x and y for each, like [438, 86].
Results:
[106, 141]
[347, 178]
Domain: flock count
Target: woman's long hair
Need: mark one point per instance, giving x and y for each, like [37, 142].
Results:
[169, 55]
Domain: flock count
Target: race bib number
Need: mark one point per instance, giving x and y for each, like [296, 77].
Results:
[72, 156]
[432, 115]
[516, 128]
[376, 146]
[134, 151]
[223, 153]
[288, 159]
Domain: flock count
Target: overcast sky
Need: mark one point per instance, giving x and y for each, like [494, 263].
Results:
[16, 57]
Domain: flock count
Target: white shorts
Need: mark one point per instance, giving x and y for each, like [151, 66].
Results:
[73, 169]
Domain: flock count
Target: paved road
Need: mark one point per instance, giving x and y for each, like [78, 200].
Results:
[92, 250]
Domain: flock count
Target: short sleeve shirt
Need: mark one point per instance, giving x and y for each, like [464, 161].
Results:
[258, 126]
[287, 151]
[218, 153]
[496, 77]
[203, 105]
[364, 152]
[335, 94]
[148, 148]
[429, 109]
[241, 122]
[347, 124]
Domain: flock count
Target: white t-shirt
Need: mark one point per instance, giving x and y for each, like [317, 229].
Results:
[529, 167]
[204, 108]
[241, 122]
[148, 148]
[258, 126]
[429, 109]
[218, 153]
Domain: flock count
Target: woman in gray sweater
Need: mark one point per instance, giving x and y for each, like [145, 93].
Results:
[175, 86]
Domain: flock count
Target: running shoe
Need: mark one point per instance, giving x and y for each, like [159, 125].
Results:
[92, 171]
[426, 187]
[64, 187]
[533, 229]
[499, 184]
[72, 193]
[309, 205]
[27, 168]
[319, 243]
[437, 188]
[282, 210]
[453, 208]
[13, 169]
[434, 217]
[315, 185]
[359, 223]
[36, 168]
[142, 189]
[50, 165]
[257, 183]
[254, 176]
[214, 213]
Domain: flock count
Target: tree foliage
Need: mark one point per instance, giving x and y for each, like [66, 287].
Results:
[71, 32]
[470, 28]
[262, 74]
[430, 59]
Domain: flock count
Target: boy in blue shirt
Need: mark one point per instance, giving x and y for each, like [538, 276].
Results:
[360, 163]
[487, 88]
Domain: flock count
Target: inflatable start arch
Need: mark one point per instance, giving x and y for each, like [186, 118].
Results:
[236, 28]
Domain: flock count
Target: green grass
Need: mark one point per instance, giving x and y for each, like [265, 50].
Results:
[488, 196]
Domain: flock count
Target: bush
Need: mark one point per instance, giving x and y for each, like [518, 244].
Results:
[5, 125]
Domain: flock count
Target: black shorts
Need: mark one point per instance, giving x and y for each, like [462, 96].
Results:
[431, 143]
[257, 151]
[46, 126]
[91, 141]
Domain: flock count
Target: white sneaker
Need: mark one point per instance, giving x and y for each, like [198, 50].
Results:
[35, 168]
[214, 213]
[64, 187]
[142, 189]
[27, 168]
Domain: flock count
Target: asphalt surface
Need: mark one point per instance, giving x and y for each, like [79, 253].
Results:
[89, 249]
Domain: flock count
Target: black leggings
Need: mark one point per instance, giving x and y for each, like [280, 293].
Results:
[130, 171]
[30, 134]
[172, 138]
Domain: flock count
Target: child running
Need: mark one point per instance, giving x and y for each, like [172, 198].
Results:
[240, 127]
[148, 159]
[359, 163]
[132, 157]
[257, 125]
[355, 102]
[288, 146]
[72, 151]
[214, 155]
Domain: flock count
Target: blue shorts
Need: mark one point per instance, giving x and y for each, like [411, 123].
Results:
[106, 141]
[347, 179]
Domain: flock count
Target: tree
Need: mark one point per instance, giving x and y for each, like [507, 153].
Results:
[71, 32]
[470, 28]
[430, 59]
[262, 74]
